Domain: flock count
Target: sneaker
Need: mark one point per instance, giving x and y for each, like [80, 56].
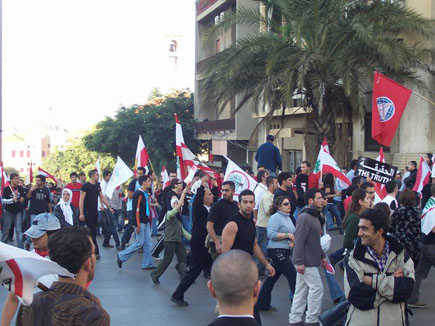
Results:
[107, 245]
[149, 268]
[180, 303]
[97, 256]
[418, 305]
[122, 246]
[118, 261]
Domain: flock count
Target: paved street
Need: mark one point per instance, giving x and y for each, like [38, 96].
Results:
[132, 299]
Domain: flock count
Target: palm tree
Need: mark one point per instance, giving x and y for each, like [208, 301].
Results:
[326, 50]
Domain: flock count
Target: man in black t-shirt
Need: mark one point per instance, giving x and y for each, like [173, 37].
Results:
[39, 198]
[88, 206]
[12, 199]
[220, 212]
[239, 233]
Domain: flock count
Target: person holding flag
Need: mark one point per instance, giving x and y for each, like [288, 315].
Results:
[12, 200]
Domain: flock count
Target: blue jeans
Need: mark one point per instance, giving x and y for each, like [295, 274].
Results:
[11, 220]
[154, 227]
[143, 240]
[262, 239]
[335, 292]
[119, 219]
[111, 223]
[329, 211]
[188, 227]
[296, 213]
[281, 261]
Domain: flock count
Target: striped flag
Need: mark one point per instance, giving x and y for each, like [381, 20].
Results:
[46, 174]
[29, 178]
[20, 271]
[428, 216]
[165, 176]
[325, 163]
[423, 175]
[380, 191]
[142, 157]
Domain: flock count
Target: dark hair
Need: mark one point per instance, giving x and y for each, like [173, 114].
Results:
[307, 163]
[328, 178]
[82, 174]
[407, 197]
[142, 179]
[173, 183]
[366, 185]
[298, 170]
[381, 206]
[41, 177]
[92, 172]
[413, 163]
[260, 175]
[201, 174]
[140, 168]
[70, 247]
[246, 192]
[106, 173]
[353, 164]
[270, 138]
[310, 194]
[259, 166]
[390, 186]
[356, 180]
[283, 176]
[269, 180]
[348, 192]
[277, 202]
[73, 174]
[12, 175]
[378, 218]
[355, 207]
[229, 183]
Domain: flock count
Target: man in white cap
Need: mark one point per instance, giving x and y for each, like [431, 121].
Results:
[42, 227]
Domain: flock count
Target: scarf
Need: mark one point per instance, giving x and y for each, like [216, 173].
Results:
[66, 207]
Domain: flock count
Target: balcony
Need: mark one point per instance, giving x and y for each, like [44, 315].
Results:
[216, 125]
[203, 5]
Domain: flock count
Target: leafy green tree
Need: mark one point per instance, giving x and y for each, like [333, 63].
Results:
[75, 158]
[325, 50]
[155, 122]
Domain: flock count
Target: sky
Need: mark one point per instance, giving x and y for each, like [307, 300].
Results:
[73, 62]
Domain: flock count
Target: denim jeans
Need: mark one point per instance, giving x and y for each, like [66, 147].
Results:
[188, 227]
[13, 220]
[329, 211]
[154, 227]
[111, 223]
[281, 261]
[296, 213]
[262, 239]
[143, 239]
[335, 292]
[119, 219]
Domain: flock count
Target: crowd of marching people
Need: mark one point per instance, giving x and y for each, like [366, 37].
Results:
[283, 227]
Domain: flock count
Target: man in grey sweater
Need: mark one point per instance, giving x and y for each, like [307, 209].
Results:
[307, 257]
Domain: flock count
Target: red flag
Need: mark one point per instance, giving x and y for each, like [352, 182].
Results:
[388, 103]
[423, 175]
[142, 156]
[380, 190]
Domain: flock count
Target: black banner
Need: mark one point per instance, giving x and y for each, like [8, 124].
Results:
[377, 171]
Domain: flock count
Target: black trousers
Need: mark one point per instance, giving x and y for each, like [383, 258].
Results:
[199, 260]
[91, 220]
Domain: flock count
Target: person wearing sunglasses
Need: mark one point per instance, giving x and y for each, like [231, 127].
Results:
[281, 233]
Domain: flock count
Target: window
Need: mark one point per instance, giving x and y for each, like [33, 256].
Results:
[218, 46]
[21, 153]
[28, 154]
[13, 153]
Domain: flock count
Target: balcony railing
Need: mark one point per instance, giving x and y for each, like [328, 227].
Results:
[216, 125]
[203, 5]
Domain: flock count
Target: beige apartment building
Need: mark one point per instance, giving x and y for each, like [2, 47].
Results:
[239, 135]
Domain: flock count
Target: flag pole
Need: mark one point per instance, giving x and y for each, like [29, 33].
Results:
[424, 98]
[152, 168]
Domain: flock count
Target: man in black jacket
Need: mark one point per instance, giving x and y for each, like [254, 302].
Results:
[200, 258]
[236, 291]
[410, 180]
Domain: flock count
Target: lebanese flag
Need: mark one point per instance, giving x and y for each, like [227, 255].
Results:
[185, 157]
[4, 178]
[165, 176]
[21, 269]
[46, 174]
[325, 163]
[388, 103]
[380, 191]
[423, 175]
[142, 156]
[428, 216]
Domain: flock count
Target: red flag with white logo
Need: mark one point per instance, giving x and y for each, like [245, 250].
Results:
[388, 103]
